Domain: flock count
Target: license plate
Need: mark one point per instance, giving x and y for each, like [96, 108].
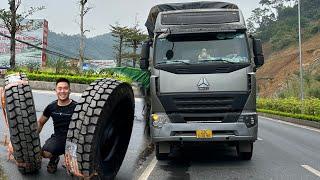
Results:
[205, 133]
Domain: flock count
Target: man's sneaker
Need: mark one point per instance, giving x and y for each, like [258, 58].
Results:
[53, 163]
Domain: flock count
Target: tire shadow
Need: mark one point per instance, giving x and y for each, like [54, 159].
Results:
[203, 155]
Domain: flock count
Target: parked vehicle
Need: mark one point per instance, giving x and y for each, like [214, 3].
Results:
[202, 86]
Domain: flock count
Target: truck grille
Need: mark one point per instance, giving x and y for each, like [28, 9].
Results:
[204, 102]
[217, 107]
[212, 104]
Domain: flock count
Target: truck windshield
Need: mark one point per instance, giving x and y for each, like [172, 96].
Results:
[202, 49]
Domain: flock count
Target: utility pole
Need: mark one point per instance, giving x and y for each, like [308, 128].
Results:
[83, 11]
[82, 4]
[13, 31]
[300, 54]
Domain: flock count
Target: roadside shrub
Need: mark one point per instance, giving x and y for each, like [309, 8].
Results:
[314, 93]
[297, 116]
[84, 79]
[106, 71]
[310, 106]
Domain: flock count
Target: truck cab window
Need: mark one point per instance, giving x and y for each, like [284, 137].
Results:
[200, 49]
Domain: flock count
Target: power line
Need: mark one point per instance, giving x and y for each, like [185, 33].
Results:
[49, 46]
[39, 48]
[69, 52]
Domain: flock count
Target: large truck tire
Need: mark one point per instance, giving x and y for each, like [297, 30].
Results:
[22, 121]
[101, 127]
[147, 112]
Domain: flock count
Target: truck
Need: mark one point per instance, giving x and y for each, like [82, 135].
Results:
[202, 63]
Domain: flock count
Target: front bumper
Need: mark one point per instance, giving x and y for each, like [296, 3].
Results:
[222, 132]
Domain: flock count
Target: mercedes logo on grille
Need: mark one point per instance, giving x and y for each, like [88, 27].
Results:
[203, 84]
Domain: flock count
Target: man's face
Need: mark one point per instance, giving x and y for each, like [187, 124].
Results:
[62, 91]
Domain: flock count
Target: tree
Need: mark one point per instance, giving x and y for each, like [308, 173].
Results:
[13, 22]
[120, 33]
[134, 39]
[83, 11]
[265, 20]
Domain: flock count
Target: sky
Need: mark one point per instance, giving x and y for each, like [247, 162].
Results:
[63, 15]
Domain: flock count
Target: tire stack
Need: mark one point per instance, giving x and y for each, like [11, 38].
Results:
[22, 121]
[101, 127]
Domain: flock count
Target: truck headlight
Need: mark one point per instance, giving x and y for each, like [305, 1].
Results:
[249, 119]
[159, 119]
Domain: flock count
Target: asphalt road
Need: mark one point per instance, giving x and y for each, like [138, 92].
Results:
[131, 162]
[283, 151]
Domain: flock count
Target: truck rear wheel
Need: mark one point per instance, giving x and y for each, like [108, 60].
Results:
[244, 151]
[22, 121]
[101, 127]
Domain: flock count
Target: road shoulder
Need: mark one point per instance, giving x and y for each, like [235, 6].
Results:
[303, 122]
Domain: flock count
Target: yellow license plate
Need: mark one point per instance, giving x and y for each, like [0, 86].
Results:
[205, 133]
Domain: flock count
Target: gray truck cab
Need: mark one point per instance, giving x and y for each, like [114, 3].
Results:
[202, 85]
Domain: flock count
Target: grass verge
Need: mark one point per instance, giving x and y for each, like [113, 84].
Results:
[297, 116]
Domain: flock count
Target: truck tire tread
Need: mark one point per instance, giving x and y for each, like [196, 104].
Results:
[22, 120]
[94, 111]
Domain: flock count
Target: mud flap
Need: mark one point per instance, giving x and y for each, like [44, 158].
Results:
[245, 147]
[164, 147]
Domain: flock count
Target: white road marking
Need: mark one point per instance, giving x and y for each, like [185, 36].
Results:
[292, 124]
[138, 99]
[259, 139]
[147, 172]
[314, 171]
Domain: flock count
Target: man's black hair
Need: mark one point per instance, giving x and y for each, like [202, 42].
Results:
[63, 80]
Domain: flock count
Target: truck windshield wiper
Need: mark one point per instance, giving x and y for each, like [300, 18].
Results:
[217, 60]
[173, 62]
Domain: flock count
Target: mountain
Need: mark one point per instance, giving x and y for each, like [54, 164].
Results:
[276, 24]
[279, 76]
[98, 47]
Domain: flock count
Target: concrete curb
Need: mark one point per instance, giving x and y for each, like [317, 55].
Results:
[303, 122]
[76, 88]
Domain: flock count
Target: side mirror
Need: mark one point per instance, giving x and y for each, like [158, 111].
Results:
[144, 60]
[258, 53]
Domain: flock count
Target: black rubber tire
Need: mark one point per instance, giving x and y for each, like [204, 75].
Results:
[147, 114]
[161, 156]
[22, 120]
[101, 127]
[245, 155]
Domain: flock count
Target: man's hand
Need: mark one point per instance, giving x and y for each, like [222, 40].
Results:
[41, 122]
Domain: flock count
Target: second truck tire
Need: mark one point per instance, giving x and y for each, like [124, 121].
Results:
[101, 128]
